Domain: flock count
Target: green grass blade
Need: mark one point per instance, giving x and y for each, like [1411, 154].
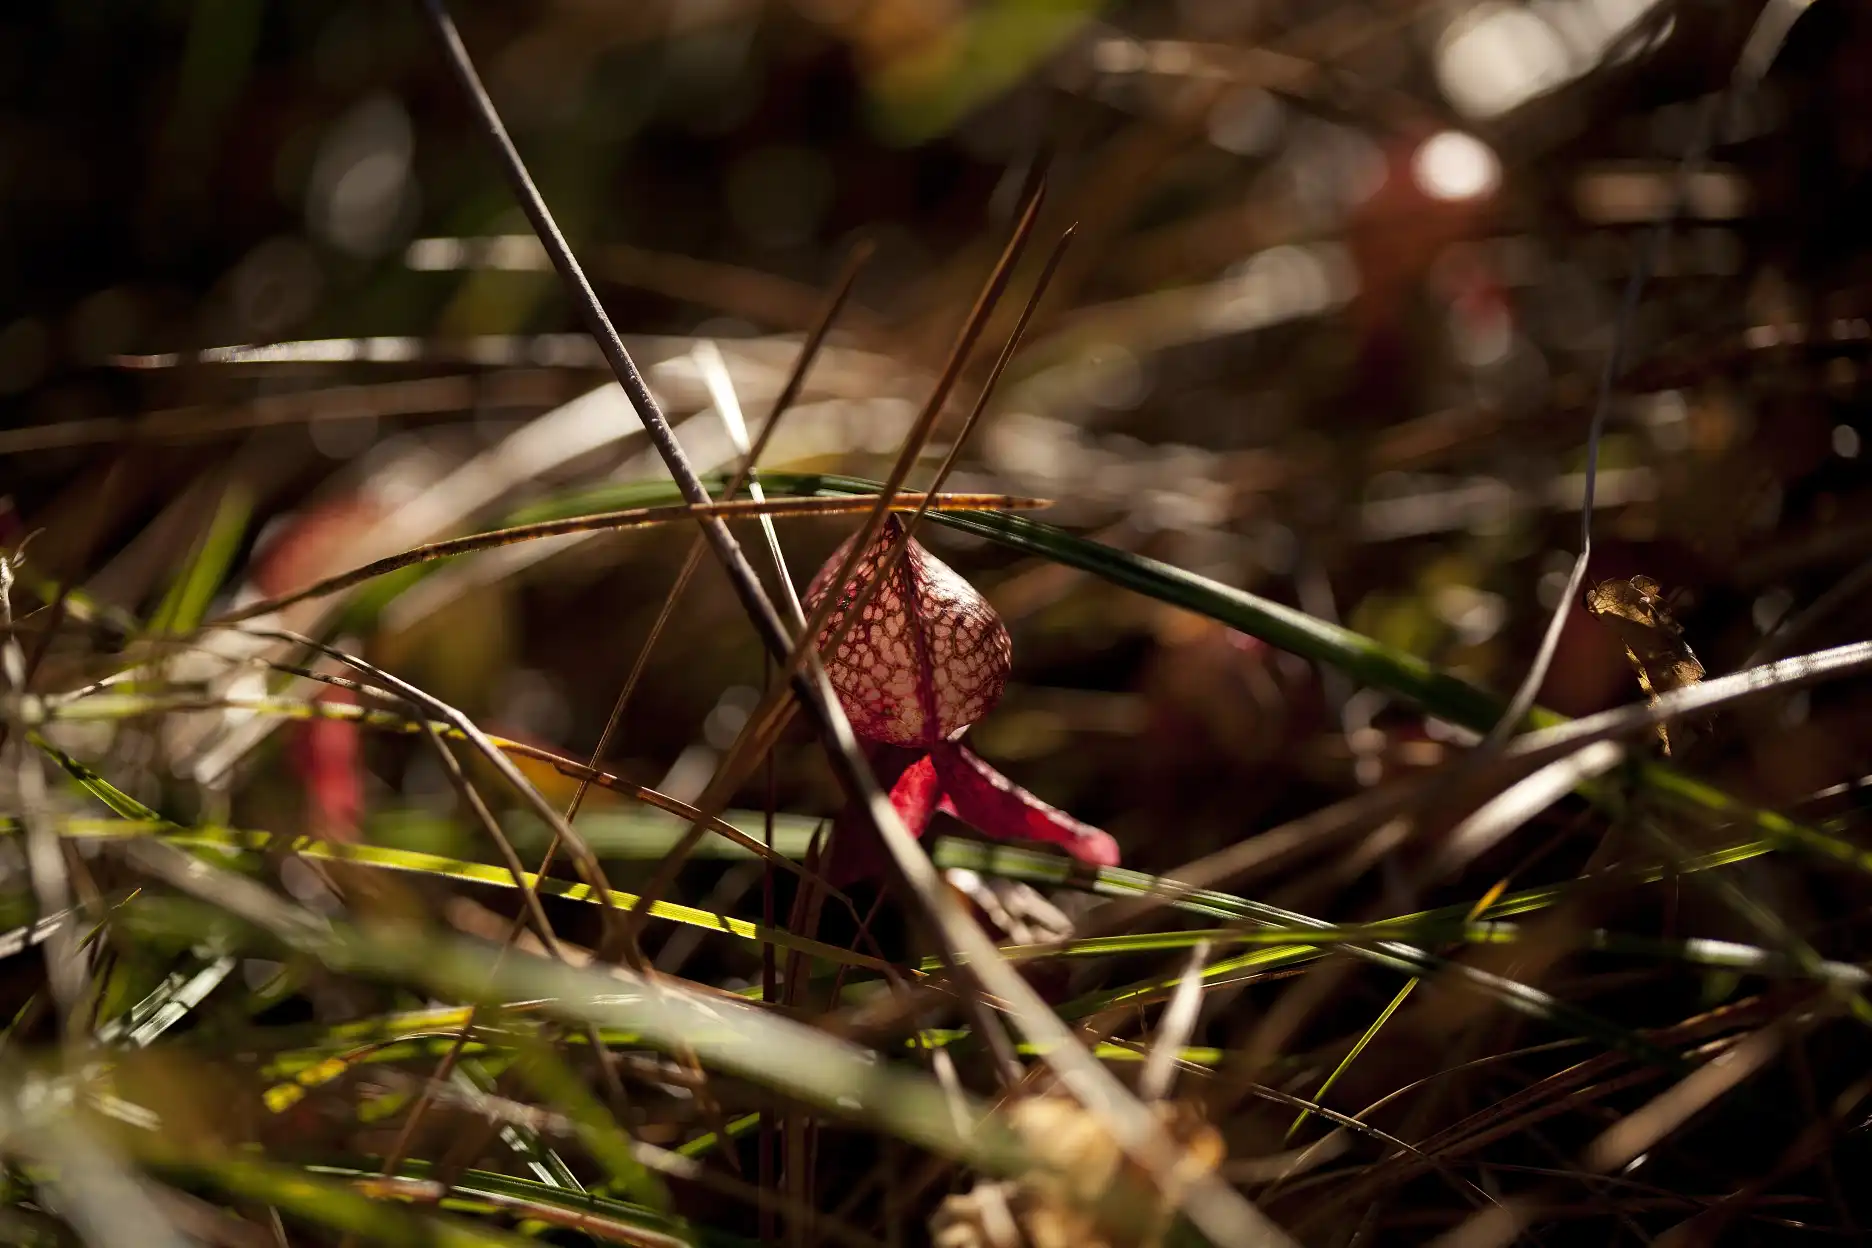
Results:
[639, 834]
[1358, 656]
[478, 1077]
[598, 1130]
[1039, 867]
[179, 994]
[1695, 951]
[185, 605]
[97, 786]
[636, 833]
[232, 844]
[1384, 1016]
[1365, 660]
[79, 605]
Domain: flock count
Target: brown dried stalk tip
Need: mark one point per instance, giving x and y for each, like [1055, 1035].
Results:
[927, 656]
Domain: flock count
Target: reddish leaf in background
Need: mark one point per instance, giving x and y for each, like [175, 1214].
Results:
[326, 754]
[927, 658]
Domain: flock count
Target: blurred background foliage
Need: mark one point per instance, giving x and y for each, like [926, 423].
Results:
[1330, 328]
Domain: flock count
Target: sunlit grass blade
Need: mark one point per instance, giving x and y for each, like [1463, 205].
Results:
[1365, 660]
[185, 604]
[1365, 1039]
[79, 605]
[1358, 1047]
[634, 518]
[1360, 657]
[234, 844]
[1692, 951]
[111, 707]
[646, 835]
[1038, 867]
[180, 993]
[482, 1079]
[96, 785]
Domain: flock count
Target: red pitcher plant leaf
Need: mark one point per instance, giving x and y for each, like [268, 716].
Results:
[925, 659]
[983, 798]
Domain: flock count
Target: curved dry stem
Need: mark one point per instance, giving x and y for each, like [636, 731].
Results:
[636, 517]
[113, 707]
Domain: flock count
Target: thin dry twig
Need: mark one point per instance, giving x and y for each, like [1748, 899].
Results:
[1764, 43]
[530, 909]
[582, 856]
[809, 351]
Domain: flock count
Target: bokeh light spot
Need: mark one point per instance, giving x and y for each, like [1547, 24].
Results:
[1452, 165]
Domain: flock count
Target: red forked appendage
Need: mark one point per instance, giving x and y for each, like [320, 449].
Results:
[925, 658]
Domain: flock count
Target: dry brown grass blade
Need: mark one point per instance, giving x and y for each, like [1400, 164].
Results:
[589, 869]
[531, 912]
[984, 1023]
[675, 806]
[769, 1156]
[1635, 1133]
[1645, 1127]
[1328, 1146]
[47, 871]
[771, 716]
[1346, 1122]
[887, 570]
[531, 909]
[755, 296]
[925, 423]
[1809, 1149]
[1527, 755]
[812, 686]
[1766, 35]
[328, 405]
[1575, 1086]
